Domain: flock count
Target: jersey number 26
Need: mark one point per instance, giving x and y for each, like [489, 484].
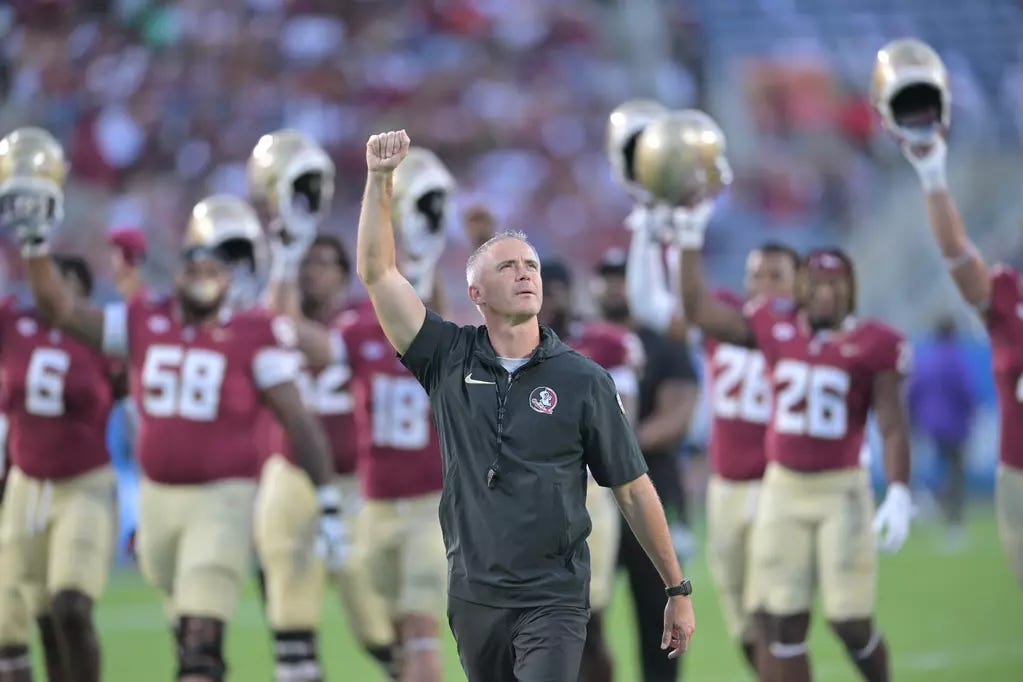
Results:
[812, 400]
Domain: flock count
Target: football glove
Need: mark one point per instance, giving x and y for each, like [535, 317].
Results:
[929, 162]
[332, 542]
[30, 215]
[891, 521]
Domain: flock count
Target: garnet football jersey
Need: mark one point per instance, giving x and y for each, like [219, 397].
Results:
[821, 383]
[1005, 326]
[399, 453]
[613, 347]
[57, 395]
[198, 389]
[740, 402]
[326, 393]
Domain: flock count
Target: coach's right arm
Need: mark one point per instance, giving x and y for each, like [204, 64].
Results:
[398, 307]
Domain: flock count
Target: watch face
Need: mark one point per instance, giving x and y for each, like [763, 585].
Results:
[687, 587]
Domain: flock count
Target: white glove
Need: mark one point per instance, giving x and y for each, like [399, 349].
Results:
[655, 221]
[891, 521]
[690, 225]
[27, 214]
[287, 249]
[332, 542]
[929, 165]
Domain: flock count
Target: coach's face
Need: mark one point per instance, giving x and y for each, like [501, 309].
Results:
[508, 281]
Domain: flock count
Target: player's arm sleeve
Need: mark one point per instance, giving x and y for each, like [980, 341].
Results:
[609, 443]
[1005, 295]
[278, 359]
[433, 349]
[763, 314]
[115, 330]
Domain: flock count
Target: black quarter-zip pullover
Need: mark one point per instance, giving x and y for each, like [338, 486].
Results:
[515, 450]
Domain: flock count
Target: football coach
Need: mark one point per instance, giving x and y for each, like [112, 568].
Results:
[520, 418]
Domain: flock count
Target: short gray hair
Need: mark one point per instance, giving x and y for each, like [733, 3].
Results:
[470, 264]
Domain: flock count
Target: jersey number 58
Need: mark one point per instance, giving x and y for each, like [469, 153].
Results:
[182, 383]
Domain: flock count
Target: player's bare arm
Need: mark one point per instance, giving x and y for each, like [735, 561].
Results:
[714, 317]
[892, 519]
[673, 406]
[398, 307]
[311, 337]
[890, 411]
[304, 431]
[55, 302]
[644, 513]
[965, 263]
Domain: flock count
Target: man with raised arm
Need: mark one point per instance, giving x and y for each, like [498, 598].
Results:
[520, 416]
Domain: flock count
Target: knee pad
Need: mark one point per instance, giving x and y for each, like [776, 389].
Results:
[14, 659]
[200, 647]
[71, 609]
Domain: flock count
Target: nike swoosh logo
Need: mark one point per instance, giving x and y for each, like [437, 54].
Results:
[470, 380]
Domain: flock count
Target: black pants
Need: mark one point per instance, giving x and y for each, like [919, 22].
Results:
[537, 644]
[952, 493]
[645, 583]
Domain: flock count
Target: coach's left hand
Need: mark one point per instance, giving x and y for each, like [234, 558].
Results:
[679, 625]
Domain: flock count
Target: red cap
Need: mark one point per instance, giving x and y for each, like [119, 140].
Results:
[132, 243]
[829, 260]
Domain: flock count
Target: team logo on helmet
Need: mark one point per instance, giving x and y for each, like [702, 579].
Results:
[543, 399]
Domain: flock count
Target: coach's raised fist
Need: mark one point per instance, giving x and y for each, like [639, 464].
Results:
[385, 151]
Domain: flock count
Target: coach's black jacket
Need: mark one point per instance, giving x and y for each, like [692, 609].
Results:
[515, 451]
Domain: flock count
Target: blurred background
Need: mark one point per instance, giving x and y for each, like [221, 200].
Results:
[159, 103]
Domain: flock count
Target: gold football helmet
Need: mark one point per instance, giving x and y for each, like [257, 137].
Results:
[292, 175]
[680, 158]
[624, 125]
[230, 224]
[32, 162]
[423, 186]
[910, 89]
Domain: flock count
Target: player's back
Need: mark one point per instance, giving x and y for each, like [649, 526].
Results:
[1005, 326]
[822, 383]
[399, 449]
[740, 402]
[197, 390]
[57, 395]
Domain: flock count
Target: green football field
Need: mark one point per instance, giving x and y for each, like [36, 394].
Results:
[948, 617]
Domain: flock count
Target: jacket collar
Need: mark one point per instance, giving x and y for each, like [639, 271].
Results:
[550, 346]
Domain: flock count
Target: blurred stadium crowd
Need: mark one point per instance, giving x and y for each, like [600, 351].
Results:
[159, 103]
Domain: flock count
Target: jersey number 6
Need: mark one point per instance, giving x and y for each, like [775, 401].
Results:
[44, 382]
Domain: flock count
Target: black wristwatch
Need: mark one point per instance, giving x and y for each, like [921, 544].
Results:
[683, 589]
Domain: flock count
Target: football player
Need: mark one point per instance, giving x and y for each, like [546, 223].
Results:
[616, 349]
[199, 375]
[398, 530]
[828, 369]
[911, 91]
[58, 521]
[292, 178]
[740, 405]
